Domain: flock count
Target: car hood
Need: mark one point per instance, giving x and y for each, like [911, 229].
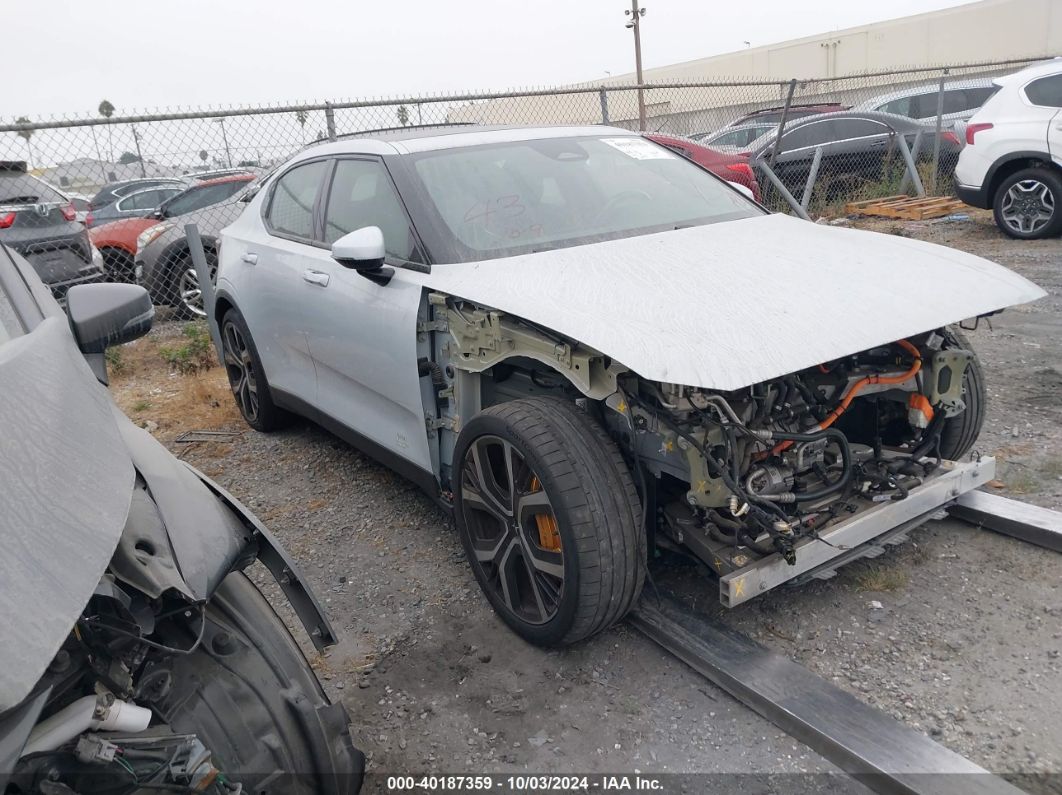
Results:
[731, 304]
[67, 482]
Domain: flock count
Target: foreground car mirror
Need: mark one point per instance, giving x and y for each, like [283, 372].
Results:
[745, 190]
[363, 250]
[102, 315]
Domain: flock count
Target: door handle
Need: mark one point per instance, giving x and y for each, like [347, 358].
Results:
[249, 258]
[315, 277]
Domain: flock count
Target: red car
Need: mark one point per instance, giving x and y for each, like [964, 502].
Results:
[732, 168]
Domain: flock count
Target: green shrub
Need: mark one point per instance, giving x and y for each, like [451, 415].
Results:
[194, 354]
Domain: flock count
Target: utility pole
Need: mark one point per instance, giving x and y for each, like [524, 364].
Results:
[635, 24]
[139, 154]
[225, 139]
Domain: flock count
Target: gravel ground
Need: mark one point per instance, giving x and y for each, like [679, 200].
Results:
[957, 633]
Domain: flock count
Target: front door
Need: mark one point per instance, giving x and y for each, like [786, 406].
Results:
[363, 335]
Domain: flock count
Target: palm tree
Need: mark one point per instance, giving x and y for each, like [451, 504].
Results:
[300, 117]
[403, 115]
[25, 134]
[106, 110]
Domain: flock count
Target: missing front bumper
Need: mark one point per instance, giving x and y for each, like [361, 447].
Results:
[838, 541]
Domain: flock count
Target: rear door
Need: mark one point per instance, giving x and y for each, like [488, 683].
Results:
[269, 271]
[363, 335]
[1045, 94]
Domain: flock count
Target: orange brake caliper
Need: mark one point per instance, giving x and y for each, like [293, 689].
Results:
[548, 533]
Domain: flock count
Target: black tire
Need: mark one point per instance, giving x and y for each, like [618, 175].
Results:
[566, 461]
[1025, 193]
[184, 309]
[247, 378]
[961, 431]
[252, 699]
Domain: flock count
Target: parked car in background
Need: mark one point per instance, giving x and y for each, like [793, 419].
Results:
[135, 204]
[734, 139]
[117, 240]
[113, 191]
[855, 146]
[962, 98]
[1013, 152]
[41, 224]
[797, 110]
[163, 265]
[732, 168]
[130, 629]
[215, 173]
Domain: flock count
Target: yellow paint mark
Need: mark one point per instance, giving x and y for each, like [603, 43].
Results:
[739, 588]
[621, 407]
[668, 446]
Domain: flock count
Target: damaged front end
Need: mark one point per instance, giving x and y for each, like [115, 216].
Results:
[794, 476]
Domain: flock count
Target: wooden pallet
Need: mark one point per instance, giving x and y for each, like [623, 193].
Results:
[911, 208]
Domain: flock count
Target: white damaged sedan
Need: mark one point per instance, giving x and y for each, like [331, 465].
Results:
[588, 347]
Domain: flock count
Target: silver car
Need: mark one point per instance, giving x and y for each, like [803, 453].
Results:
[586, 346]
[962, 99]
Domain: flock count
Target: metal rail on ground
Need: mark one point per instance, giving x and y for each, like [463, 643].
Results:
[874, 748]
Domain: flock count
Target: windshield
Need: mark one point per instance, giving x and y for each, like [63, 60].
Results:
[498, 200]
[201, 196]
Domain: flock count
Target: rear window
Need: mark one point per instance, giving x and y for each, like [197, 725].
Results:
[18, 188]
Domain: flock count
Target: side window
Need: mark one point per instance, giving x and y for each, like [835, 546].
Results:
[901, 107]
[813, 134]
[843, 129]
[145, 200]
[362, 194]
[1047, 91]
[291, 205]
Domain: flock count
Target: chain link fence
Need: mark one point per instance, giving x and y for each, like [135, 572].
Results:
[128, 178]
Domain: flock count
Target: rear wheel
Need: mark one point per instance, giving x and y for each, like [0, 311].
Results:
[1028, 204]
[252, 699]
[187, 295]
[247, 378]
[549, 519]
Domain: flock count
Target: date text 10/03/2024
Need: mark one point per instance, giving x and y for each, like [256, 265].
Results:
[524, 783]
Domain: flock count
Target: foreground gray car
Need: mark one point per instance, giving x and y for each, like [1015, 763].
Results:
[129, 630]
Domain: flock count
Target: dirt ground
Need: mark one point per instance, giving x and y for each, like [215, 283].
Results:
[958, 632]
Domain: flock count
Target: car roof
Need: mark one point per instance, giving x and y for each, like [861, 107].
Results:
[246, 177]
[1049, 67]
[408, 141]
[910, 91]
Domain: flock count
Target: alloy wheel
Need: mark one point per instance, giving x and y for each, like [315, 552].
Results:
[190, 293]
[238, 365]
[1027, 206]
[512, 529]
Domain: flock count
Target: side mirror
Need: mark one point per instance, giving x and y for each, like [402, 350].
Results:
[363, 251]
[102, 315]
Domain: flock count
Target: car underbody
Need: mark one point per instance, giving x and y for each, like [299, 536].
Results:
[761, 484]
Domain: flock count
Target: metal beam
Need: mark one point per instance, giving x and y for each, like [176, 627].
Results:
[879, 751]
[1019, 520]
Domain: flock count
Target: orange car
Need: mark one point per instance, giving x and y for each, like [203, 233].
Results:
[116, 241]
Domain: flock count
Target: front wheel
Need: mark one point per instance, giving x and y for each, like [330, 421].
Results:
[549, 519]
[1028, 204]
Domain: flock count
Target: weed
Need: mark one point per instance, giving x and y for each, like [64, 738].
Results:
[1053, 468]
[140, 405]
[1021, 482]
[881, 578]
[194, 354]
[115, 363]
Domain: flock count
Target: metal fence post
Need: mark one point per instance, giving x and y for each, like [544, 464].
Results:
[813, 174]
[604, 105]
[781, 121]
[782, 189]
[912, 169]
[330, 121]
[206, 284]
[936, 139]
[916, 147]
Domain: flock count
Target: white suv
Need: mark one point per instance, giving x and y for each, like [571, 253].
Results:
[1012, 161]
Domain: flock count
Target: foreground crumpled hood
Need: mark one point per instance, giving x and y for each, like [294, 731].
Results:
[732, 304]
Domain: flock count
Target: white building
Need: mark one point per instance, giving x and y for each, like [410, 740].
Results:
[989, 30]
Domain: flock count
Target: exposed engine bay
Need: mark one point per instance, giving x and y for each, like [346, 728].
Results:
[749, 473]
